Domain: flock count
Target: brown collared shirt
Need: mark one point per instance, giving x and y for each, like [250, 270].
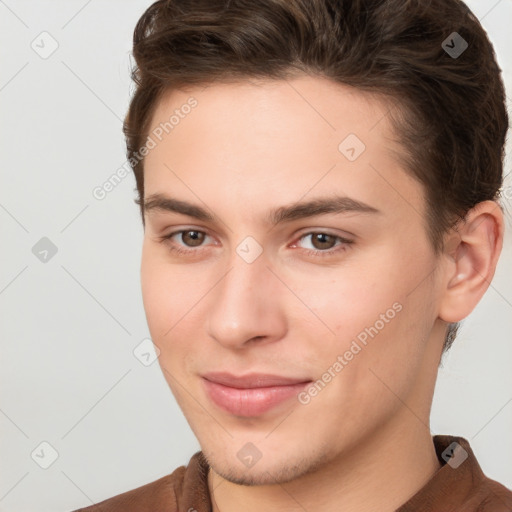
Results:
[458, 486]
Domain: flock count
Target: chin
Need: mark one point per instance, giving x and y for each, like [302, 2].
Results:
[263, 472]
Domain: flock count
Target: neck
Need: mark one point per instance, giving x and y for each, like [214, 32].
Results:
[383, 472]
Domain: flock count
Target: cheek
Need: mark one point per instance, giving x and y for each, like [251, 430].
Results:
[162, 293]
[382, 304]
[171, 296]
[376, 351]
[344, 300]
[153, 294]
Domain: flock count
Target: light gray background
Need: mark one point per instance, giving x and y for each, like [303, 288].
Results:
[69, 326]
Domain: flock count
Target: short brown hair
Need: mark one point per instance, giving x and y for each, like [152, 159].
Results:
[451, 117]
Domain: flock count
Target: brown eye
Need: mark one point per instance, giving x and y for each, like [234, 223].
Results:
[196, 239]
[323, 240]
[323, 244]
[185, 241]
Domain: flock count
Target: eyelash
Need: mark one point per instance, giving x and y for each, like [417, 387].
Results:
[310, 252]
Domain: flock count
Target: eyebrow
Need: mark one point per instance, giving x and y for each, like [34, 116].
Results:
[294, 211]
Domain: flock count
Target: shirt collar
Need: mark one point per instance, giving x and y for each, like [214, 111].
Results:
[453, 482]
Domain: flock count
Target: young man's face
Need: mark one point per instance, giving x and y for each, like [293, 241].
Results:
[359, 317]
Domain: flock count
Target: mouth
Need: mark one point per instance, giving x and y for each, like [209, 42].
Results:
[251, 395]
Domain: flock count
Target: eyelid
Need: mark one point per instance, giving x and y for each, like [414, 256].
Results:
[326, 231]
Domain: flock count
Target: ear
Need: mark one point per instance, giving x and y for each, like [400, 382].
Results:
[471, 250]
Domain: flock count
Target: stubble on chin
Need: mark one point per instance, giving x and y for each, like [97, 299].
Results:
[267, 473]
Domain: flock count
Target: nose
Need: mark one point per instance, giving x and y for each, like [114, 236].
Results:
[246, 306]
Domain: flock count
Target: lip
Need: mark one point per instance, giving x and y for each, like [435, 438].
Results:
[252, 394]
[252, 380]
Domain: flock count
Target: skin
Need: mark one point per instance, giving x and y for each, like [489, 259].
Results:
[247, 148]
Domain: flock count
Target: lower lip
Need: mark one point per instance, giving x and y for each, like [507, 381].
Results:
[251, 401]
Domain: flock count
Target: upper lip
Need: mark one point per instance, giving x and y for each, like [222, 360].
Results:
[252, 380]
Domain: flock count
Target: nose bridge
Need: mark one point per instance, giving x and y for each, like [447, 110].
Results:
[244, 305]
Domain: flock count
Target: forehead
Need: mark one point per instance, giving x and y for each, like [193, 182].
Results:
[274, 141]
[305, 107]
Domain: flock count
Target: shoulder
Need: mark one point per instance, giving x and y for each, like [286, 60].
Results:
[490, 495]
[482, 493]
[459, 484]
[155, 496]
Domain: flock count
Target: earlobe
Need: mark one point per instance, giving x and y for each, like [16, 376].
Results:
[472, 251]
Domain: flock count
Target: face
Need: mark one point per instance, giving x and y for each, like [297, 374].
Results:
[339, 298]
